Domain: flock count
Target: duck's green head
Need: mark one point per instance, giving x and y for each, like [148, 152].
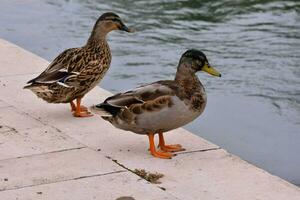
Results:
[108, 22]
[195, 61]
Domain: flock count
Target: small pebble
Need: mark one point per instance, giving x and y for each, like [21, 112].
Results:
[164, 189]
[125, 198]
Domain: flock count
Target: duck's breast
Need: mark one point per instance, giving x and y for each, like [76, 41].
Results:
[176, 115]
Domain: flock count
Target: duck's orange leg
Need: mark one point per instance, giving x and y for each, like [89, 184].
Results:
[168, 148]
[153, 151]
[79, 112]
[73, 107]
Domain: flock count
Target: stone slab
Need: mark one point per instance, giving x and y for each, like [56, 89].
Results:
[17, 120]
[213, 174]
[15, 60]
[53, 167]
[106, 187]
[39, 140]
[199, 173]
[3, 104]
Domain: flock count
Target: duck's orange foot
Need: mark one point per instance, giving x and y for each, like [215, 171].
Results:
[82, 108]
[82, 114]
[172, 148]
[158, 154]
[79, 110]
[162, 155]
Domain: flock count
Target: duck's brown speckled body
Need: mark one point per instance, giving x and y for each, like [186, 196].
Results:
[161, 106]
[84, 67]
[78, 70]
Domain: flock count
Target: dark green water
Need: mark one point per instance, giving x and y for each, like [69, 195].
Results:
[253, 110]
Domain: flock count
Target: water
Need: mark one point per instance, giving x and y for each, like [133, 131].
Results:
[253, 110]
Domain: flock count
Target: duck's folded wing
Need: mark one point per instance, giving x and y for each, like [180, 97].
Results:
[152, 97]
[61, 67]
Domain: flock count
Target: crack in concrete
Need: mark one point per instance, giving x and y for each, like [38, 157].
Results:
[9, 129]
[82, 177]
[202, 150]
[132, 171]
[161, 188]
[40, 120]
[39, 154]
[76, 178]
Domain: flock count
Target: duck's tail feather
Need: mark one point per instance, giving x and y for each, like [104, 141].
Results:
[106, 110]
[27, 86]
[32, 86]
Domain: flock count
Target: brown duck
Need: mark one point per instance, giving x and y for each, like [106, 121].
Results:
[161, 106]
[76, 71]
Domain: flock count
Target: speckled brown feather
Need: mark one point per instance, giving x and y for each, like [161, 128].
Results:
[153, 98]
[90, 62]
[193, 92]
[160, 106]
[76, 71]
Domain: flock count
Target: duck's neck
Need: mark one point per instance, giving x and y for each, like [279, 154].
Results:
[97, 37]
[189, 82]
[94, 41]
[184, 78]
[192, 91]
[97, 43]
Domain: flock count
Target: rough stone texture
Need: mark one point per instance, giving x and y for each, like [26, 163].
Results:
[213, 174]
[105, 187]
[53, 167]
[34, 141]
[16, 61]
[45, 153]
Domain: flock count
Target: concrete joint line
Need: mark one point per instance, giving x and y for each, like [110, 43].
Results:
[197, 151]
[39, 154]
[130, 170]
[77, 178]
[40, 120]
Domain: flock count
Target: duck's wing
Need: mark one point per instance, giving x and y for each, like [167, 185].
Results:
[64, 65]
[151, 97]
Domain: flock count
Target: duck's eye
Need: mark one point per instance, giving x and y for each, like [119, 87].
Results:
[115, 20]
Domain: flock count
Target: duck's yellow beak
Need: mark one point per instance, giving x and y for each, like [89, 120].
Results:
[209, 69]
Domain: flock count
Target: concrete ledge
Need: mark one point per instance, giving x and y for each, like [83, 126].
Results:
[45, 153]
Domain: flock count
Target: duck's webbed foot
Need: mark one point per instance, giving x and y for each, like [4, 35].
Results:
[168, 148]
[73, 107]
[155, 153]
[79, 110]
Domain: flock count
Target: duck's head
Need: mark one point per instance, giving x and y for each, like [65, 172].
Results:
[194, 60]
[108, 22]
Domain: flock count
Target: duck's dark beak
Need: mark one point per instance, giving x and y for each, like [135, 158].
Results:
[209, 69]
[123, 27]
